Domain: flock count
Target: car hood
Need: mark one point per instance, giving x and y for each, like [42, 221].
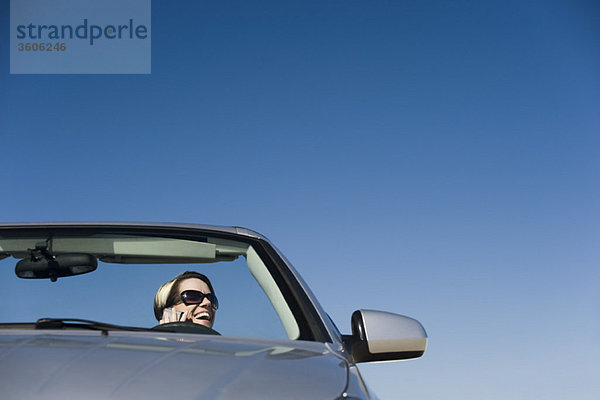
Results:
[147, 365]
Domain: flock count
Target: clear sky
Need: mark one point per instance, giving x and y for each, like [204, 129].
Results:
[438, 159]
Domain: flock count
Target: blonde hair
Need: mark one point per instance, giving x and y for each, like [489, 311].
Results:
[160, 299]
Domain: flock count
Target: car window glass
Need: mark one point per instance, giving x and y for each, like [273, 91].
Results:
[112, 294]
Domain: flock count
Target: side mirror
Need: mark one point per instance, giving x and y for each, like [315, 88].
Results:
[384, 336]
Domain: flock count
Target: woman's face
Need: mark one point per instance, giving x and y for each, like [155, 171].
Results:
[203, 313]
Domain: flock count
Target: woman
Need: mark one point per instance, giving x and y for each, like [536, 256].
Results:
[188, 297]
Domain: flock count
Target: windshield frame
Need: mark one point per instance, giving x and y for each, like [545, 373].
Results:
[293, 289]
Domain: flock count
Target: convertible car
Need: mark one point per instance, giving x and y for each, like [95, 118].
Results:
[78, 320]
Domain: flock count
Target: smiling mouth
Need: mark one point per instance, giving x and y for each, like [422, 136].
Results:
[204, 316]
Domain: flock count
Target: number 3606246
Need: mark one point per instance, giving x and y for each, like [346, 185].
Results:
[42, 46]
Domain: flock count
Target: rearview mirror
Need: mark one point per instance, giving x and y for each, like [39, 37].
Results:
[56, 267]
[384, 336]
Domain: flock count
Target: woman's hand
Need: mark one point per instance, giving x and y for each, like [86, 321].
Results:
[171, 315]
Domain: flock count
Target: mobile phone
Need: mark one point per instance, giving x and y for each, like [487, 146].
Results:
[168, 312]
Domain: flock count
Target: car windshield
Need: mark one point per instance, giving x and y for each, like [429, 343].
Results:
[251, 304]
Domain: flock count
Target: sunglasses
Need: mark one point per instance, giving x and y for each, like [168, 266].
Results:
[189, 297]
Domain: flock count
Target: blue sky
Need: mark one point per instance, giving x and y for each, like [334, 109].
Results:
[446, 152]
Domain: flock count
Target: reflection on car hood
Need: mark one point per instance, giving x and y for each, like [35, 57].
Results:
[149, 365]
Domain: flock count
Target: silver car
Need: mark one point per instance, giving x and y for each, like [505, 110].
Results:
[78, 322]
